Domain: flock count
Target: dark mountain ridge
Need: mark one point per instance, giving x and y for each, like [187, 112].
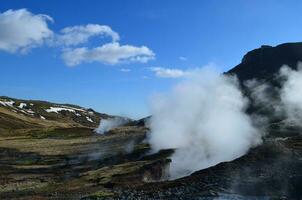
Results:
[265, 62]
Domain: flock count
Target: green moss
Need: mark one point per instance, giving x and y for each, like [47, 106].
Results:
[22, 186]
[61, 133]
[142, 146]
[101, 195]
[27, 161]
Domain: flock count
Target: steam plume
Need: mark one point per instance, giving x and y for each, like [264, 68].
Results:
[204, 120]
[283, 101]
[108, 124]
[291, 93]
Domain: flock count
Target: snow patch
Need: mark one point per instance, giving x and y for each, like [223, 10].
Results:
[64, 108]
[89, 119]
[42, 117]
[7, 103]
[22, 105]
[73, 108]
[30, 111]
[58, 109]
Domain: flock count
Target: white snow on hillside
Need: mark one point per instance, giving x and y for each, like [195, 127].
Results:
[30, 111]
[7, 103]
[22, 105]
[73, 108]
[89, 119]
[58, 109]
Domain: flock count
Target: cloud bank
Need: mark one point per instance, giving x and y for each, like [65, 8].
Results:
[163, 72]
[182, 58]
[75, 35]
[21, 30]
[125, 70]
[204, 120]
[168, 72]
[111, 53]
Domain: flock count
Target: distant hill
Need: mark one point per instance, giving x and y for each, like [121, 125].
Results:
[18, 114]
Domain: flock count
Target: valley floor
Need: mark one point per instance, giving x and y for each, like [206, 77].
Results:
[73, 166]
[76, 163]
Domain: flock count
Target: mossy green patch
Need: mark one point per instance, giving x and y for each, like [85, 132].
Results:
[100, 195]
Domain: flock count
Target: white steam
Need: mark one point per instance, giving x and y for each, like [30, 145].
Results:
[283, 102]
[291, 93]
[108, 124]
[204, 120]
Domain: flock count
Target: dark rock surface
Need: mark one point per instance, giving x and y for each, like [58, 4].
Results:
[270, 171]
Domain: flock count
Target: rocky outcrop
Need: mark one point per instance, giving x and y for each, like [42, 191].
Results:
[264, 62]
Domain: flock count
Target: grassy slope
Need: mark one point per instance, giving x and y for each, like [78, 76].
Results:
[14, 118]
[62, 157]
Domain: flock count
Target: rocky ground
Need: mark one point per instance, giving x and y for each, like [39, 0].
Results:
[76, 163]
[270, 171]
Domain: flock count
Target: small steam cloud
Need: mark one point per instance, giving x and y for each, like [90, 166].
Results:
[283, 101]
[108, 124]
[291, 93]
[204, 120]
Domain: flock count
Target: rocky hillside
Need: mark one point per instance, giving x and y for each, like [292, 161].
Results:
[264, 62]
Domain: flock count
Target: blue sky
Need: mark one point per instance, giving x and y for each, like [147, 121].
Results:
[182, 35]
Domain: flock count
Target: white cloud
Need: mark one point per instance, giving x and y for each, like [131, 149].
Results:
[183, 58]
[110, 53]
[168, 72]
[163, 72]
[20, 30]
[75, 35]
[125, 70]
